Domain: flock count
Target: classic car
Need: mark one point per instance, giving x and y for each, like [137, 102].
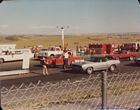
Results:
[58, 60]
[95, 63]
[124, 55]
[137, 60]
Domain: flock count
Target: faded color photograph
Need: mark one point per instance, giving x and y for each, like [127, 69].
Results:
[69, 54]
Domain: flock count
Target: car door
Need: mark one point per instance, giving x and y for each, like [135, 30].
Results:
[59, 61]
[102, 64]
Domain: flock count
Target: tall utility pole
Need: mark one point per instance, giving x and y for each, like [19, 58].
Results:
[0, 81]
[63, 40]
[62, 35]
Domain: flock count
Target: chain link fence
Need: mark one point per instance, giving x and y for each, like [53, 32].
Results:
[123, 92]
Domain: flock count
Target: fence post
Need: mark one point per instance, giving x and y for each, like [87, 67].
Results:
[0, 96]
[104, 89]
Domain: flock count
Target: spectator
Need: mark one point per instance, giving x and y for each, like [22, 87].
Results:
[65, 60]
[44, 64]
[66, 56]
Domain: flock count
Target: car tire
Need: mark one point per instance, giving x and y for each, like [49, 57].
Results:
[112, 68]
[89, 70]
[1, 60]
[64, 67]
[53, 65]
[131, 58]
[52, 55]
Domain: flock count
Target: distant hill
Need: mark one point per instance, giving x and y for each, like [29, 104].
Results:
[70, 40]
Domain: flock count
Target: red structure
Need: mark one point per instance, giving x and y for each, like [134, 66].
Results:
[101, 48]
[133, 47]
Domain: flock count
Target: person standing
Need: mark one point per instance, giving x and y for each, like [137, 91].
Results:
[44, 65]
[65, 60]
[67, 57]
[0, 108]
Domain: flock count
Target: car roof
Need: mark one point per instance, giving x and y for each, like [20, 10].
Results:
[100, 56]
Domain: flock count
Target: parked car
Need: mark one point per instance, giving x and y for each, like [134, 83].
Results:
[124, 55]
[42, 53]
[137, 60]
[58, 60]
[95, 63]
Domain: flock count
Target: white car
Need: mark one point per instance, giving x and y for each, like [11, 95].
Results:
[96, 63]
[42, 53]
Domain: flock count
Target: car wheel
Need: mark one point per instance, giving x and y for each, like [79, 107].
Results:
[52, 55]
[65, 67]
[53, 65]
[1, 60]
[89, 70]
[112, 68]
[131, 58]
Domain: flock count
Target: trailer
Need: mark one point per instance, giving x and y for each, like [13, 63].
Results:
[17, 54]
[6, 48]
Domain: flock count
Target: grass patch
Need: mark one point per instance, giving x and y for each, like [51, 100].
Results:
[72, 97]
[70, 40]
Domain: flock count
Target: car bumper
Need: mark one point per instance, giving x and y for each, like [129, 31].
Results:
[137, 61]
[77, 68]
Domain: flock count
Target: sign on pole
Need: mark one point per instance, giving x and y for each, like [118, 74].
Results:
[26, 62]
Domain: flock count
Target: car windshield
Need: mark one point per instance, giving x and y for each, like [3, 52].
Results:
[99, 59]
[110, 58]
[43, 49]
[58, 56]
[117, 52]
[93, 59]
[51, 49]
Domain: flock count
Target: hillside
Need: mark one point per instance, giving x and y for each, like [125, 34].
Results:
[28, 40]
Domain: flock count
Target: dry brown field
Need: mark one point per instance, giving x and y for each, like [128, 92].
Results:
[22, 41]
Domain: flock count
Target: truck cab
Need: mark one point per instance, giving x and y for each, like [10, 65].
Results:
[50, 51]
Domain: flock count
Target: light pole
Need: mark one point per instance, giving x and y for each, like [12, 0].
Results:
[63, 40]
[62, 35]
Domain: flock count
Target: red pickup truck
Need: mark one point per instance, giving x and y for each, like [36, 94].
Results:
[58, 60]
[124, 55]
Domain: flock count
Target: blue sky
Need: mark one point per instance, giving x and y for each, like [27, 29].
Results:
[82, 16]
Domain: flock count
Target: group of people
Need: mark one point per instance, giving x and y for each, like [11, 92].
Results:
[44, 63]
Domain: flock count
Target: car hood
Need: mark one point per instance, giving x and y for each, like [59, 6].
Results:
[138, 58]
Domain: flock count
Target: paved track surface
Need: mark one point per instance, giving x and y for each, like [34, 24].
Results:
[56, 74]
